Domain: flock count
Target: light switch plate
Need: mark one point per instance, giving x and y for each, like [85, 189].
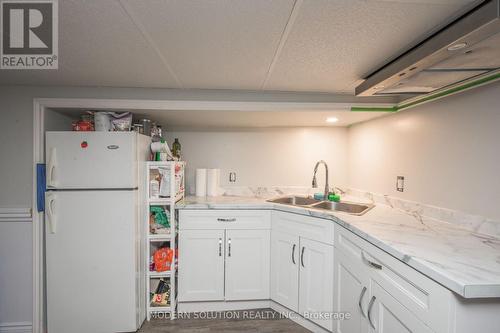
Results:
[232, 177]
[400, 183]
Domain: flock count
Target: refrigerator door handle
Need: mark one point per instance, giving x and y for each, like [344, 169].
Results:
[51, 167]
[49, 208]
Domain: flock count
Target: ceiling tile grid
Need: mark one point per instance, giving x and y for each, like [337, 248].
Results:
[226, 44]
[286, 45]
[333, 44]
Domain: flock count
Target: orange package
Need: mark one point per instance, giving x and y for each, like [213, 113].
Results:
[163, 259]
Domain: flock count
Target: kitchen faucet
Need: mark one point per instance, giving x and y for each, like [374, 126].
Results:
[314, 181]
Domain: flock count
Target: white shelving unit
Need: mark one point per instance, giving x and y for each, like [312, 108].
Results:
[176, 174]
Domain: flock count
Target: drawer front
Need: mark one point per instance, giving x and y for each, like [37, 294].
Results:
[312, 228]
[224, 219]
[425, 298]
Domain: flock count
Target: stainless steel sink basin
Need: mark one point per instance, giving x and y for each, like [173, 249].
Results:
[345, 207]
[295, 201]
[308, 202]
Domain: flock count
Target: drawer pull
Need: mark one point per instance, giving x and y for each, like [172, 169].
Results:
[361, 300]
[220, 219]
[370, 263]
[293, 254]
[370, 306]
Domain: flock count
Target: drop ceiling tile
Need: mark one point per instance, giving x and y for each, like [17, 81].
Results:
[100, 46]
[335, 43]
[215, 44]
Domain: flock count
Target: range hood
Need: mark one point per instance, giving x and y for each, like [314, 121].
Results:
[467, 48]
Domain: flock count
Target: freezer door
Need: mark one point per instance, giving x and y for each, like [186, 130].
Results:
[91, 160]
[91, 261]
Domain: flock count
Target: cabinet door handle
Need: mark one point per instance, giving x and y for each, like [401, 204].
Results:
[220, 219]
[220, 247]
[370, 305]
[361, 300]
[370, 263]
[293, 253]
[302, 256]
[229, 247]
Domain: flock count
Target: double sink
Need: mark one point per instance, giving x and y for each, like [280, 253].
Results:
[308, 202]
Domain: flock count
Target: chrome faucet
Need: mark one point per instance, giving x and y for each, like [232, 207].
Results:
[314, 181]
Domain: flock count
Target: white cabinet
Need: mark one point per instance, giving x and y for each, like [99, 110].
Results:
[372, 308]
[247, 264]
[285, 269]
[220, 261]
[371, 286]
[351, 294]
[201, 265]
[301, 268]
[387, 315]
[316, 282]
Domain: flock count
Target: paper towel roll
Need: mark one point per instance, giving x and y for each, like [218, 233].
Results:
[201, 182]
[213, 178]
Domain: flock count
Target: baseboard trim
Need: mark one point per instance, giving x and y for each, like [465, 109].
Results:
[221, 306]
[295, 317]
[19, 327]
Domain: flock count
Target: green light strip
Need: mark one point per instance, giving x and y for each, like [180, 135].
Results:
[374, 109]
[428, 98]
[450, 91]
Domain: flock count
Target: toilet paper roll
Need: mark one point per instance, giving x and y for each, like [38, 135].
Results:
[201, 182]
[213, 179]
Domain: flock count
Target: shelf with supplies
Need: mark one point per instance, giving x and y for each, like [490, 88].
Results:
[163, 179]
[166, 201]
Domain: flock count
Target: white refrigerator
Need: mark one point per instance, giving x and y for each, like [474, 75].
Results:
[94, 247]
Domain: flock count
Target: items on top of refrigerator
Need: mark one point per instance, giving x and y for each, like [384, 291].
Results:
[85, 124]
[161, 296]
[121, 121]
[146, 126]
[102, 121]
[110, 121]
[138, 128]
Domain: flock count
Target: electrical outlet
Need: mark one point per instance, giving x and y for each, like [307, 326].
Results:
[400, 183]
[232, 177]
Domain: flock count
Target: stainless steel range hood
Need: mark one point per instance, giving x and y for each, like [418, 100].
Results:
[468, 47]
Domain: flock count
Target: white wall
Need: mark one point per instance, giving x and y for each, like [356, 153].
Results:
[448, 151]
[15, 274]
[271, 157]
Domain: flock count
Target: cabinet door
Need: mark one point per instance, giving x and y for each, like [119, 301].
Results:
[247, 264]
[201, 265]
[387, 315]
[285, 269]
[351, 293]
[316, 282]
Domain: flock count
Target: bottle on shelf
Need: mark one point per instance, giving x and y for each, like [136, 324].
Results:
[176, 148]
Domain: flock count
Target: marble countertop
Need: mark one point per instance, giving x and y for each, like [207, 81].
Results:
[463, 261]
